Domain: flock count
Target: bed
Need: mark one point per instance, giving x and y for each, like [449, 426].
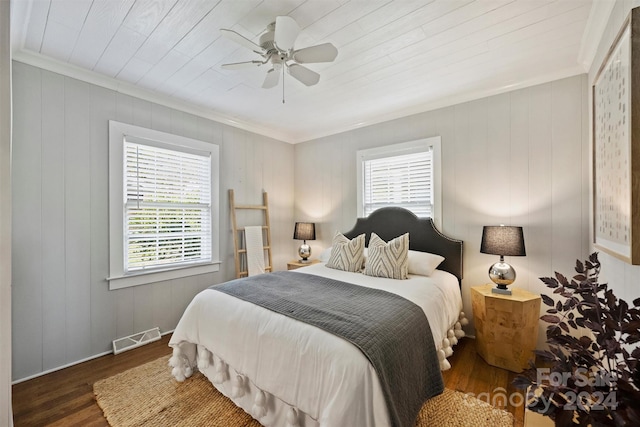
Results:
[285, 372]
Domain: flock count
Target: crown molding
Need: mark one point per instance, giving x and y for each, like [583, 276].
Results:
[448, 101]
[69, 70]
[596, 24]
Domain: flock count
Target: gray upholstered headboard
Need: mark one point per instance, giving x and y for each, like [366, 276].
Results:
[391, 222]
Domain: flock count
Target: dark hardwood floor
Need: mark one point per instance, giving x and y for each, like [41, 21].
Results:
[65, 397]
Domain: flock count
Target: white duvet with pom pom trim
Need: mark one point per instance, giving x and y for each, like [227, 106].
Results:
[283, 371]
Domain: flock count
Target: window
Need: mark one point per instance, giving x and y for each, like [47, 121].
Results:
[163, 206]
[404, 175]
[167, 209]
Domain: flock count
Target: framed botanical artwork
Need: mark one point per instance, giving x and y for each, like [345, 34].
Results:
[616, 146]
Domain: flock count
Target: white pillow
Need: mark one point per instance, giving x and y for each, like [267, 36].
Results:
[326, 254]
[423, 263]
[347, 255]
[388, 259]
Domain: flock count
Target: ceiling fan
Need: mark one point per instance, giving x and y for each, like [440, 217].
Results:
[276, 50]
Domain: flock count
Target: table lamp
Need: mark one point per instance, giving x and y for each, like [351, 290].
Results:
[304, 231]
[504, 241]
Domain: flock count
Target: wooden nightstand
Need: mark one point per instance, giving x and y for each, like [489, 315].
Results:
[506, 326]
[292, 265]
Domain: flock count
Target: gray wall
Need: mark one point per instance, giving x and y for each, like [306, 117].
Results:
[6, 418]
[623, 278]
[63, 311]
[520, 158]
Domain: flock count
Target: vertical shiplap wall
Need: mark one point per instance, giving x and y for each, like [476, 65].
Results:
[623, 278]
[63, 311]
[520, 158]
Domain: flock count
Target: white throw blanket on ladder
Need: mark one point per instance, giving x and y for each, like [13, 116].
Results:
[255, 250]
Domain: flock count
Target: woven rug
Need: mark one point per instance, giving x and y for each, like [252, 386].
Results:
[149, 396]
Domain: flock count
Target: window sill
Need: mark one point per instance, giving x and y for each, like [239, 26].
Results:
[144, 278]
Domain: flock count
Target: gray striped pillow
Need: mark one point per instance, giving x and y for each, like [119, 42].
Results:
[347, 255]
[390, 259]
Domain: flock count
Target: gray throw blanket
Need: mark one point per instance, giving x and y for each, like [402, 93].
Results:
[391, 331]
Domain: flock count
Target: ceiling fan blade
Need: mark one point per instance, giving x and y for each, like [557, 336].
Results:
[286, 32]
[242, 40]
[325, 52]
[241, 65]
[304, 74]
[272, 79]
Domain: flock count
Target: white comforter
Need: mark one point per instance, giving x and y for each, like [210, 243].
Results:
[285, 372]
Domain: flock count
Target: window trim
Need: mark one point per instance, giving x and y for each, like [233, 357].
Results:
[409, 147]
[118, 279]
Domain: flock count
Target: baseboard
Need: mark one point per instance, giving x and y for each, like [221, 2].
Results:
[68, 365]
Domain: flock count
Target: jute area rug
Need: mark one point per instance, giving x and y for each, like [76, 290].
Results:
[149, 396]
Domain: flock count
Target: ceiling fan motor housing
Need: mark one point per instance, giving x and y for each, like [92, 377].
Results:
[266, 42]
[274, 56]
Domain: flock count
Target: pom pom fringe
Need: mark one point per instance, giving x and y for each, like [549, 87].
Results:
[221, 372]
[174, 360]
[458, 332]
[204, 357]
[259, 408]
[178, 375]
[448, 351]
[237, 389]
[446, 346]
[180, 364]
[292, 418]
[452, 337]
[463, 319]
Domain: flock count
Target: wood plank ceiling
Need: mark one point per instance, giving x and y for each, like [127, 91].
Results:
[395, 57]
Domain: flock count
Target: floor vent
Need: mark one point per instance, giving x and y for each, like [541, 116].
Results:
[135, 340]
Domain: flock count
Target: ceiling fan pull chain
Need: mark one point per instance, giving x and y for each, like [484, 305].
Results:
[283, 67]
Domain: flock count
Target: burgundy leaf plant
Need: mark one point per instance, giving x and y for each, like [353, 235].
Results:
[589, 375]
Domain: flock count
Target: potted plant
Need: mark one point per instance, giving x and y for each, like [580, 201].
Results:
[586, 380]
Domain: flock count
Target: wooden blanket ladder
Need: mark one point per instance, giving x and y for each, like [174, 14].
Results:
[240, 251]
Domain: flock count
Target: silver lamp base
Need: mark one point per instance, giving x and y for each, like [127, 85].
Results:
[502, 274]
[305, 252]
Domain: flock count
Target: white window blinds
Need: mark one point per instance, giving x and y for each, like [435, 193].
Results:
[403, 180]
[167, 207]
